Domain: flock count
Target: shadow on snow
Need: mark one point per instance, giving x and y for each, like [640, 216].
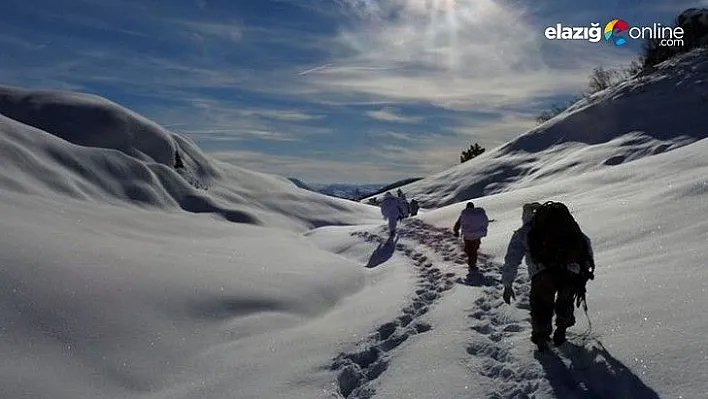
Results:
[590, 371]
[383, 252]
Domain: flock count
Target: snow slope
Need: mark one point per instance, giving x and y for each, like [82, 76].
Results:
[85, 147]
[650, 114]
[647, 338]
[109, 289]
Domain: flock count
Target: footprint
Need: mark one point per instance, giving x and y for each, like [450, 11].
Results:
[491, 351]
[484, 328]
[386, 330]
[405, 320]
[513, 328]
[422, 327]
[393, 342]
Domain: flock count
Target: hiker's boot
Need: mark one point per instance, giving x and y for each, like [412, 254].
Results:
[559, 336]
[472, 266]
[541, 341]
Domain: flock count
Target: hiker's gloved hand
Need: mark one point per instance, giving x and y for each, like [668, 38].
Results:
[579, 297]
[508, 294]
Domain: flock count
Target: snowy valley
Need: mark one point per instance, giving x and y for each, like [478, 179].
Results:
[122, 278]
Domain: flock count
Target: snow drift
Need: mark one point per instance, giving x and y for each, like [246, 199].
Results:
[86, 147]
[109, 289]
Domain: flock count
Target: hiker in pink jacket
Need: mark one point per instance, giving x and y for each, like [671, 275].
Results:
[474, 223]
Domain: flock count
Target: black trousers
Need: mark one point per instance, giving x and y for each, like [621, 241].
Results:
[471, 249]
[551, 292]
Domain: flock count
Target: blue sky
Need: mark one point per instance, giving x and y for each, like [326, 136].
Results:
[322, 90]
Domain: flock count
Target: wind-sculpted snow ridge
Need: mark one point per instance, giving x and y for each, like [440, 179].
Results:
[92, 121]
[652, 113]
[64, 145]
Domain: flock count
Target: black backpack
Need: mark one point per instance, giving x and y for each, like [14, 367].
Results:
[556, 241]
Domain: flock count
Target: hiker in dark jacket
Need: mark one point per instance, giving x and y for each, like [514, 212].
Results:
[414, 207]
[474, 223]
[554, 285]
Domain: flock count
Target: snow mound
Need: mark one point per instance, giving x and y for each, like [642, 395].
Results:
[88, 148]
[113, 302]
[92, 121]
[644, 116]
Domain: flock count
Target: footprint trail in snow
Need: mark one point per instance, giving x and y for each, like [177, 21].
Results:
[491, 320]
[492, 323]
[357, 369]
[581, 368]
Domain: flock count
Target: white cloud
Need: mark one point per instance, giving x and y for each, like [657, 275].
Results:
[314, 69]
[310, 168]
[239, 133]
[421, 161]
[459, 54]
[283, 115]
[219, 120]
[462, 54]
[407, 137]
[204, 31]
[388, 114]
[496, 133]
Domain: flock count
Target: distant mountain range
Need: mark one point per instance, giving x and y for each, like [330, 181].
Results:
[355, 192]
[340, 190]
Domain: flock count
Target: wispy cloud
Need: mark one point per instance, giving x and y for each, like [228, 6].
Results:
[283, 115]
[210, 121]
[388, 114]
[315, 69]
[417, 161]
[204, 31]
[380, 88]
[450, 53]
[404, 137]
[507, 127]
[307, 168]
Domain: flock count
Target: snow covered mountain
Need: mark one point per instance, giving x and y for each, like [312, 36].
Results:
[644, 116]
[340, 190]
[120, 279]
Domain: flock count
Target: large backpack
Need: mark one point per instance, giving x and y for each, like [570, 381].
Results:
[556, 241]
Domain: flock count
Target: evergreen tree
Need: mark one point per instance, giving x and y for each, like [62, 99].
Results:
[474, 151]
[178, 161]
